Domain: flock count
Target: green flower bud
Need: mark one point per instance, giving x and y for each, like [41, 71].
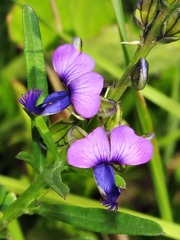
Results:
[74, 134]
[139, 74]
[108, 108]
[171, 28]
[145, 12]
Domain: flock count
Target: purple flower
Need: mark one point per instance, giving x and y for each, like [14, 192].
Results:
[83, 86]
[53, 103]
[98, 151]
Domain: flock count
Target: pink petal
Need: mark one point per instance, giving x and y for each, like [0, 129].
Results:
[128, 148]
[89, 151]
[85, 94]
[69, 63]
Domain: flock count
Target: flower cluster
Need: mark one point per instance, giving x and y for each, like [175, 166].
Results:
[98, 150]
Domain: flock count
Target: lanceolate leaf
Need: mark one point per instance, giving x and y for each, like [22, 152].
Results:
[35, 67]
[99, 220]
[27, 157]
[36, 75]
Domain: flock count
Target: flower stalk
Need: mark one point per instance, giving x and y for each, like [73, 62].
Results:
[35, 191]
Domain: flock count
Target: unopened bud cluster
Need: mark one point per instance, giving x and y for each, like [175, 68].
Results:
[171, 28]
[146, 12]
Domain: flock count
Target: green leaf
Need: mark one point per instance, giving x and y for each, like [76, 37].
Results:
[99, 220]
[15, 27]
[52, 177]
[171, 229]
[120, 181]
[28, 158]
[36, 74]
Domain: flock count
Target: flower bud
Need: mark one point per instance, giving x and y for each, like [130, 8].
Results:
[108, 108]
[145, 12]
[139, 74]
[171, 28]
[77, 43]
[74, 134]
[149, 136]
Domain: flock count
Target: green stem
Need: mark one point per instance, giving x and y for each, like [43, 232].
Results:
[156, 168]
[17, 208]
[46, 136]
[118, 9]
[15, 230]
[141, 52]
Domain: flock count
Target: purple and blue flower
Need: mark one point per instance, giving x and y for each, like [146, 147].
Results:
[99, 151]
[83, 86]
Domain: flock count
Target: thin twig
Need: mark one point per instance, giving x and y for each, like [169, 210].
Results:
[56, 15]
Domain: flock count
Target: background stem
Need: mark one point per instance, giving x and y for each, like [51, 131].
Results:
[17, 208]
[156, 167]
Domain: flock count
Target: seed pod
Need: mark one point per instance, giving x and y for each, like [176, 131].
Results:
[139, 74]
[171, 28]
[144, 13]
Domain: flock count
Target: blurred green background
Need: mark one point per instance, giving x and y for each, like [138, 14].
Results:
[95, 23]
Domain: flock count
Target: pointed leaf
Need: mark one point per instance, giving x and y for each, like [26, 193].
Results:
[120, 182]
[52, 177]
[36, 74]
[27, 157]
[99, 220]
